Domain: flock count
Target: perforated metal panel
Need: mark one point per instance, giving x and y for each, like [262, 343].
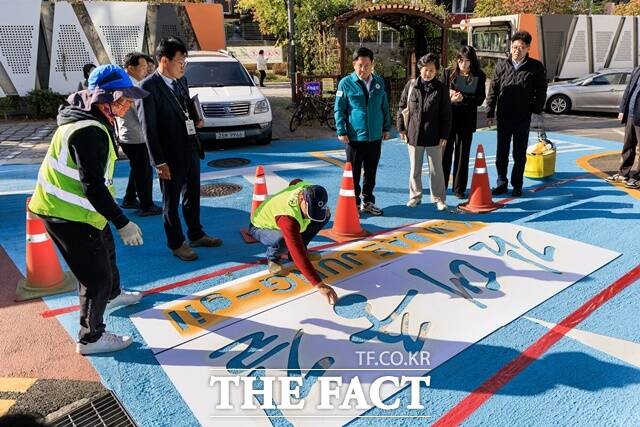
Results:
[171, 31]
[604, 29]
[72, 55]
[120, 26]
[70, 50]
[167, 23]
[19, 28]
[623, 54]
[121, 39]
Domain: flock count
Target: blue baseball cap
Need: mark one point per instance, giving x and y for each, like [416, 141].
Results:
[316, 197]
[114, 80]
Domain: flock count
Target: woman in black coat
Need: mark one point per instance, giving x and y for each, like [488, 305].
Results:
[427, 130]
[466, 83]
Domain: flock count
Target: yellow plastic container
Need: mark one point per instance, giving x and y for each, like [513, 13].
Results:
[540, 165]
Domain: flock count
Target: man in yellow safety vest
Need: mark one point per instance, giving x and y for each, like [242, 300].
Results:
[74, 195]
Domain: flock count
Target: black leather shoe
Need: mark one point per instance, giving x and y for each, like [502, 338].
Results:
[130, 204]
[517, 192]
[153, 210]
[501, 189]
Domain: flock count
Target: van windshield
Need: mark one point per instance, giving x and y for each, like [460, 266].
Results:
[216, 74]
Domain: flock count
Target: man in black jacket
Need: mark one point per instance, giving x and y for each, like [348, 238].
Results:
[519, 88]
[629, 115]
[167, 118]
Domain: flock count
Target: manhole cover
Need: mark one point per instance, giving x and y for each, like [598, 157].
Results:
[229, 162]
[219, 190]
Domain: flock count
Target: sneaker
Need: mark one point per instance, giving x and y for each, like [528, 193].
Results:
[500, 189]
[442, 206]
[125, 298]
[372, 209]
[130, 204]
[207, 241]
[185, 252]
[413, 203]
[633, 183]
[153, 210]
[108, 342]
[516, 192]
[617, 178]
[275, 267]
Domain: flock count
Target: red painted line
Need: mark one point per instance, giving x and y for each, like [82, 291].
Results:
[70, 309]
[480, 395]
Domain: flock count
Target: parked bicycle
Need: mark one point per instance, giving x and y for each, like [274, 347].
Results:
[311, 108]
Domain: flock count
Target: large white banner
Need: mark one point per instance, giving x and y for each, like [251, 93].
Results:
[249, 54]
[401, 317]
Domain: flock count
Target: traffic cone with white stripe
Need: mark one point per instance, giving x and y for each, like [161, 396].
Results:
[259, 195]
[44, 274]
[480, 198]
[346, 225]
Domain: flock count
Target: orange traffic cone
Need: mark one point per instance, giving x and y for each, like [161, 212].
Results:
[346, 225]
[480, 198]
[259, 196]
[44, 274]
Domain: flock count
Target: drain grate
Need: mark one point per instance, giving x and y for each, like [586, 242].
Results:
[229, 162]
[219, 190]
[104, 410]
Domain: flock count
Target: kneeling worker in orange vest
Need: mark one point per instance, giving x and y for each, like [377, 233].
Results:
[74, 196]
[289, 220]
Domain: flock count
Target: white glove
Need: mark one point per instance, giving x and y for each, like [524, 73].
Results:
[131, 234]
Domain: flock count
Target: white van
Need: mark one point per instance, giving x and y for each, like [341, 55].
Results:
[234, 108]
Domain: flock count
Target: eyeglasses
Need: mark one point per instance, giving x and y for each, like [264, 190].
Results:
[123, 102]
[180, 63]
[518, 47]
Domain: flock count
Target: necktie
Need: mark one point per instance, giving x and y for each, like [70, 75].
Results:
[177, 90]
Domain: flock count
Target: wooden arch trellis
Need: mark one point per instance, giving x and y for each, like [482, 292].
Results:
[395, 16]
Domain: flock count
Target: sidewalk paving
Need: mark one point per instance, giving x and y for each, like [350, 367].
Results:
[25, 141]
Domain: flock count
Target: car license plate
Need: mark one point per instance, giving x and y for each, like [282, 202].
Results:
[230, 135]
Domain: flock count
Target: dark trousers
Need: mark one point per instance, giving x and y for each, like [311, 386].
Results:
[457, 150]
[519, 130]
[274, 240]
[91, 256]
[185, 184]
[263, 75]
[367, 154]
[140, 184]
[631, 138]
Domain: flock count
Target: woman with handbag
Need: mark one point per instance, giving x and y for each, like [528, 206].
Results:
[424, 121]
[466, 83]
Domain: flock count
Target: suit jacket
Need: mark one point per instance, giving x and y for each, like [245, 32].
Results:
[163, 124]
[626, 98]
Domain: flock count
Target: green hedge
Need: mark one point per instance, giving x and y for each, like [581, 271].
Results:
[44, 103]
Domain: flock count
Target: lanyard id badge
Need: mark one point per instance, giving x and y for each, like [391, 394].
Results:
[191, 127]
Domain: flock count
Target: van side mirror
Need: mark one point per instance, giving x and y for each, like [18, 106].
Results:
[256, 80]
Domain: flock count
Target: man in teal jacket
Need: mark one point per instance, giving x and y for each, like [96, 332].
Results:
[363, 121]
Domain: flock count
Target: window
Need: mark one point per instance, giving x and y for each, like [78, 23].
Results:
[608, 79]
[217, 74]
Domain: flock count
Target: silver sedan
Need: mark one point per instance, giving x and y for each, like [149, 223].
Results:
[601, 91]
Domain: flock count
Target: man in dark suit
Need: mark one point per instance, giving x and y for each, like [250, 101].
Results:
[629, 115]
[168, 121]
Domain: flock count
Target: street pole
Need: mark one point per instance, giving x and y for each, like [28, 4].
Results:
[292, 51]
